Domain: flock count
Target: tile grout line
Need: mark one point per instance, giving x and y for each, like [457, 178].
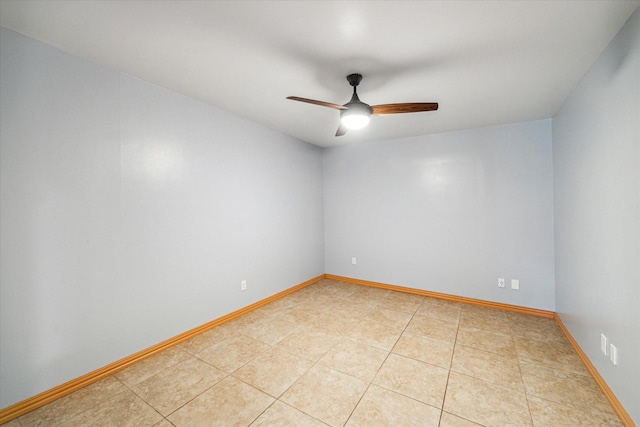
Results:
[453, 351]
[524, 386]
[378, 370]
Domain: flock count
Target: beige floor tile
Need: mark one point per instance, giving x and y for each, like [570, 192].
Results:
[151, 366]
[579, 391]
[439, 309]
[335, 322]
[273, 371]
[376, 335]
[201, 342]
[425, 349]
[371, 294]
[323, 297]
[499, 325]
[481, 311]
[450, 420]
[391, 318]
[546, 332]
[359, 307]
[547, 413]
[337, 288]
[433, 328]
[552, 355]
[347, 305]
[211, 337]
[325, 394]
[499, 370]
[178, 384]
[229, 403]
[354, 358]
[124, 410]
[228, 329]
[313, 291]
[383, 408]
[233, 352]
[414, 379]
[345, 310]
[69, 406]
[309, 343]
[282, 415]
[485, 403]
[163, 423]
[536, 328]
[319, 305]
[300, 315]
[501, 344]
[257, 316]
[12, 423]
[270, 331]
[401, 301]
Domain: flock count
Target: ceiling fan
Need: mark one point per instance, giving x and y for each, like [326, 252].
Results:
[355, 114]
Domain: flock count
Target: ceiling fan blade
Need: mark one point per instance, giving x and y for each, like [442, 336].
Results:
[320, 103]
[407, 107]
[341, 130]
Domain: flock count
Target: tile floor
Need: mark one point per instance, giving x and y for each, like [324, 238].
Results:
[339, 354]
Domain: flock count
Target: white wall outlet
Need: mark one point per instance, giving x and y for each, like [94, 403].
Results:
[515, 284]
[604, 344]
[243, 285]
[501, 282]
[613, 354]
[353, 260]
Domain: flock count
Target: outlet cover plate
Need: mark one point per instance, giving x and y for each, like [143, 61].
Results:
[604, 344]
[613, 354]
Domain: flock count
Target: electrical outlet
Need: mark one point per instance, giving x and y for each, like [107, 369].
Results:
[243, 285]
[515, 284]
[501, 282]
[613, 354]
[353, 260]
[604, 344]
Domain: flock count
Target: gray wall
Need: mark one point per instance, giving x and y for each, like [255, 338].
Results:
[447, 213]
[596, 154]
[130, 214]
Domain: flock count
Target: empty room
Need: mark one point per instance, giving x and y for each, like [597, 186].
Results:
[319, 213]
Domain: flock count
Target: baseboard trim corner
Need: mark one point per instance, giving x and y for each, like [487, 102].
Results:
[606, 390]
[448, 297]
[611, 397]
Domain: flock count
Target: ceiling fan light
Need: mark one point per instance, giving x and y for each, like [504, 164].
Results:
[357, 114]
[356, 120]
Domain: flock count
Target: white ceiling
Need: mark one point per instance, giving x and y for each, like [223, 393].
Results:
[485, 62]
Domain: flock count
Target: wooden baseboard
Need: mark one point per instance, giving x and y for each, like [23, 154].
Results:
[21, 408]
[448, 297]
[9, 413]
[608, 393]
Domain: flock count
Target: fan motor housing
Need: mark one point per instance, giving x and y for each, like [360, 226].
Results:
[354, 79]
